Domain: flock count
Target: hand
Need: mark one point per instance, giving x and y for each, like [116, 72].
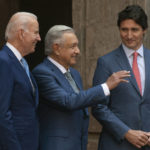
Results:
[137, 138]
[148, 143]
[116, 78]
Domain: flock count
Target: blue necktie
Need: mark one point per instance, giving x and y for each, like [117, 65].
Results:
[25, 66]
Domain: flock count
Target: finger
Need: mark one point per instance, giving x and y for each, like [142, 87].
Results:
[138, 146]
[123, 80]
[121, 75]
[148, 143]
[147, 133]
[124, 75]
[143, 139]
[140, 143]
[123, 72]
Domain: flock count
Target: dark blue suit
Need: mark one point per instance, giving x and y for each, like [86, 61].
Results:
[125, 108]
[63, 114]
[18, 103]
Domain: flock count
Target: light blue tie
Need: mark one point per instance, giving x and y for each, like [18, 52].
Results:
[25, 66]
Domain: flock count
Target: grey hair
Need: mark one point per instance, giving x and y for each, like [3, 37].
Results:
[54, 35]
[17, 21]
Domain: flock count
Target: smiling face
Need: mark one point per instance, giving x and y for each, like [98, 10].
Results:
[30, 37]
[131, 34]
[68, 51]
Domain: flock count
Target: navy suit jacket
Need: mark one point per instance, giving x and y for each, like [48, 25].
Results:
[63, 113]
[125, 108]
[18, 103]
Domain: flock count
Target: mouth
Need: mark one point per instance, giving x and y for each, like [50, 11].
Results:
[130, 41]
[34, 44]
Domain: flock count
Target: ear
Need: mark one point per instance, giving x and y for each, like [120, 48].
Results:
[56, 48]
[21, 33]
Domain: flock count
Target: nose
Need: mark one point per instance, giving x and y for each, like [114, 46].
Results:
[77, 50]
[129, 34]
[38, 37]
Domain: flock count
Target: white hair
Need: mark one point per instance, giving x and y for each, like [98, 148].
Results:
[17, 21]
[54, 35]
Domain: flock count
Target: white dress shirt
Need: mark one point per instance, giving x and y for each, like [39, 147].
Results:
[140, 61]
[15, 51]
[19, 57]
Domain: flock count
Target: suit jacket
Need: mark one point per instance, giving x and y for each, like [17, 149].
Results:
[63, 113]
[125, 108]
[18, 103]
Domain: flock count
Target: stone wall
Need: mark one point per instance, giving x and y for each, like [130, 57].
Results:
[95, 25]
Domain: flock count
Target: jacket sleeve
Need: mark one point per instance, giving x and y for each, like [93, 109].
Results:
[102, 112]
[52, 92]
[8, 138]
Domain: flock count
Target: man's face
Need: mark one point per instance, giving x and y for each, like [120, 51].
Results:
[31, 37]
[131, 34]
[68, 51]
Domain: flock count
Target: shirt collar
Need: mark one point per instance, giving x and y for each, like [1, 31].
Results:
[14, 50]
[129, 51]
[58, 65]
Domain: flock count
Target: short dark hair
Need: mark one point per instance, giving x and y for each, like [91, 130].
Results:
[135, 13]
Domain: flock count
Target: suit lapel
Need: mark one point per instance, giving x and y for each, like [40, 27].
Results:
[35, 92]
[59, 75]
[147, 71]
[79, 85]
[64, 82]
[124, 64]
[76, 79]
[19, 67]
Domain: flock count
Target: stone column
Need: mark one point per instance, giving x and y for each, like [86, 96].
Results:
[95, 22]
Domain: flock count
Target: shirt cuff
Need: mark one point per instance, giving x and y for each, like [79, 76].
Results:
[105, 89]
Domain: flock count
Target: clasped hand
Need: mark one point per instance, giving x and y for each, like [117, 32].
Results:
[138, 138]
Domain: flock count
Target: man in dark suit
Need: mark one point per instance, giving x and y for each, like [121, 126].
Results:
[18, 90]
[63, 103]
[125, 113]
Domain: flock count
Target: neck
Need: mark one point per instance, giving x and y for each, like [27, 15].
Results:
[59, 60]
[17, 46]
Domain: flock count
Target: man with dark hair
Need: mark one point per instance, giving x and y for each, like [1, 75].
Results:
[135, 13]
[125, 113]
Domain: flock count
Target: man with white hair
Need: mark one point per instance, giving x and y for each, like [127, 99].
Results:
[63, 112]
[18, 90]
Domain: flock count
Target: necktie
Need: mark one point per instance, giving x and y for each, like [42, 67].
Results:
[136, 71]
[25, 66]
[71, 81]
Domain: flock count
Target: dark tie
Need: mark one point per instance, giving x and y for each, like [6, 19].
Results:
[136, 71]
[25, 66]
[71, 81]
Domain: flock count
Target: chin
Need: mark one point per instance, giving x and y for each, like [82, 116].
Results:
[72, 64]
[33, 50]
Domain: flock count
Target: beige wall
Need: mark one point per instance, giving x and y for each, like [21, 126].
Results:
[95, 24]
